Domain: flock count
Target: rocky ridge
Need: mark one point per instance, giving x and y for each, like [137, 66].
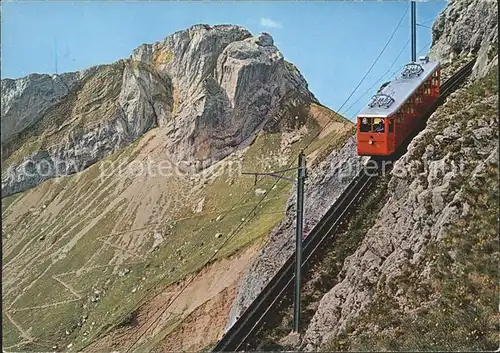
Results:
[208, 89]
[467, 27]
[105, 109]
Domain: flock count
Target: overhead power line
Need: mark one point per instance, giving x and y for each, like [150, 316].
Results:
[253, 212]
[378, 57]
[429, 20]
[421, 25]
[368, 90]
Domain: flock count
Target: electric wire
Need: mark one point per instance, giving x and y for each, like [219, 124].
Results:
[380, 79]
[252, 212]
[429, 20]
[399, 69]
[376, 60]
[421, 25]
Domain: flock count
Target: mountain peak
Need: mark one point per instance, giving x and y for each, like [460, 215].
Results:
[207, 88]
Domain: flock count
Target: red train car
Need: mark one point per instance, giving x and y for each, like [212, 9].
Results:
[390, 116]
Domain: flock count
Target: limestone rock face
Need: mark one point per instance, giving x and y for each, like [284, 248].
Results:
[226, 84]
[208, 90]
[324, 185]
[467, 27]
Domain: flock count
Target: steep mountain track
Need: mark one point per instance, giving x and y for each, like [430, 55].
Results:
[252, 319]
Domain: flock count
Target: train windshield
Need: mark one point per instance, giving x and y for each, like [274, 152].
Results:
[372, 125]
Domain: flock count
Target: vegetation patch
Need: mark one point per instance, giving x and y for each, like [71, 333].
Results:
[457, 308]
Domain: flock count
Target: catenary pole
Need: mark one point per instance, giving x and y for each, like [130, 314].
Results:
[301, 176]
[413, 31]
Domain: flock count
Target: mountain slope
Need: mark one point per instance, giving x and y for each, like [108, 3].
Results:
[93, 255]
[424, 276]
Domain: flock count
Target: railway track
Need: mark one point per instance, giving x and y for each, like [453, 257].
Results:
[252, 319]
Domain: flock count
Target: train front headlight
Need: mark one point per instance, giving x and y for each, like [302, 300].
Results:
[370, 142]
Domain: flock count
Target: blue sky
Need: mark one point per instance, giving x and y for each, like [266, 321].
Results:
[332, 43]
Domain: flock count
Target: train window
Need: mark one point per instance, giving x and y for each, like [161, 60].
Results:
[418, 96]
[378, 125]
[435, 78]
[400, 117]
[365, 124]
[391, 125]
[427, 87]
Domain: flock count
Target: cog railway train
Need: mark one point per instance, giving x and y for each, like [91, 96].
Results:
[385, 122]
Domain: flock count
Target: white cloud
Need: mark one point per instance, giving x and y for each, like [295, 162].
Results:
[267, 22]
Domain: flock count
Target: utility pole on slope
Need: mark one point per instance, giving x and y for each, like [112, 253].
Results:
[300, 181]
[301, 176]
[413, 16]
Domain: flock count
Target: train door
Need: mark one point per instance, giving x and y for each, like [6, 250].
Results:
[400, 128]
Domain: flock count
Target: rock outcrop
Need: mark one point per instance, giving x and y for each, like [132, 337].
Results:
[226, 84]
[391, 280]
[426, 197]
[208, 89]
[467, 27]
[106, 109]
[24, 101]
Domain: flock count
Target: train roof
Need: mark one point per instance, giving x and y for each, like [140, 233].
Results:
[391, 97]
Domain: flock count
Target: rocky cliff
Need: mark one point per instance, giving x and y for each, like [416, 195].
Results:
[424, 276]
[209, 89]
[467, 27]
[59, 125]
